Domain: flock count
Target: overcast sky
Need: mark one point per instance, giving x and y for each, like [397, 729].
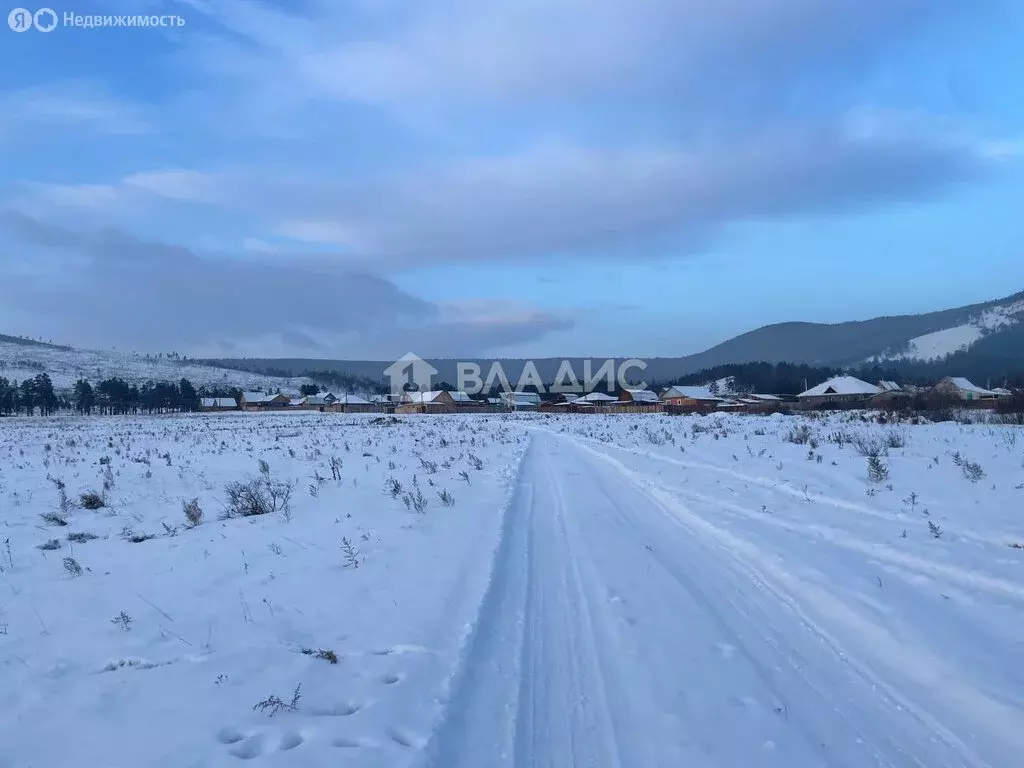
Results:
[364, 178]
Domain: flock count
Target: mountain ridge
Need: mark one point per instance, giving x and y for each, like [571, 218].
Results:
[848, 344]
[984, 339]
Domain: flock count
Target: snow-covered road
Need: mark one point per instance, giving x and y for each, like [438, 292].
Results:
[622, 629]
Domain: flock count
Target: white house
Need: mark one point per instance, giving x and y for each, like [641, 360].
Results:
[838, 390]
[963, 389]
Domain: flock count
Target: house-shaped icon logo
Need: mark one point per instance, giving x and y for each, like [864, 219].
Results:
[410, 368]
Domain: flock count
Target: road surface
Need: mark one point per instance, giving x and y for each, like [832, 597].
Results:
[623, 630]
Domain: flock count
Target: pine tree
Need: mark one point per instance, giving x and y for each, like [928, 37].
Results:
[85, 398]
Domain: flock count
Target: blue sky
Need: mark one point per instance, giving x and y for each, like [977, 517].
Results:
[512, 177]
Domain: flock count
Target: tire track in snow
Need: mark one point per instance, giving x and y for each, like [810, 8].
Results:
[976, 713]
[616, 632]
[961, 576]
[530, 690]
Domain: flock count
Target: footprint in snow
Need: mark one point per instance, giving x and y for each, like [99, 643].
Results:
[354, 743]
[258, 743]
[405, 738]
[341, 709]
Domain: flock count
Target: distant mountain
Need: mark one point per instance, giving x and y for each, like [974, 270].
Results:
[979, 339]
[928, 337]
[982, 341]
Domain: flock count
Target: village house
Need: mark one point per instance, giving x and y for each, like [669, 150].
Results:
[257, 401]
[890, 396]
[837, 392]
[594, 398]
[690, 398]
[757, 403]
[638, 396]
[437, 401]
[962, 389]
[218, 404]
[346, 403]
[638, 401]
[520, 401]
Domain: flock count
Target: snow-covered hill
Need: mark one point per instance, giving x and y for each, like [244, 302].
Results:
[19, 361]
[959, 338]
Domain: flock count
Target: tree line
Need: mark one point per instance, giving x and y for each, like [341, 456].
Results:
[36, 396]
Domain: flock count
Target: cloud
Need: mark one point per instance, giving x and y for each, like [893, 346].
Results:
[111, 287]
[571, 200]
[73, 104]
[456, 50]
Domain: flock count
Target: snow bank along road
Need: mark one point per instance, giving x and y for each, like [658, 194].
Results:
[623, 628]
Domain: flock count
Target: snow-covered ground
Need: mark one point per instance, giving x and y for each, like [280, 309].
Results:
[618, 591]
[66, 366]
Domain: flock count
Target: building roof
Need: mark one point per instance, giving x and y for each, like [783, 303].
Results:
[769, 398]
[692, 393]
[965, 385]
[841, 385]
[595, 397]
[888, 386]
[255, 397]
[642, 395]
[460, 397]
[218, 402]
[521, 398]
[424, 398]
[1001, 391]
[347, 399]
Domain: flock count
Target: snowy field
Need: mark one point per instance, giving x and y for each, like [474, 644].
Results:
[511, 591]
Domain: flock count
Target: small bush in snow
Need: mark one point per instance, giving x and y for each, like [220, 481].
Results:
[877, 471]
[935, 530]
[840, 438]
[972, 471]
[193, 512]
[868, 446]
[135, 538]
[123, 621]
[92, 500]
[325, 654]
[350, 553]
[799, 435]
[52, 518]
[475, 462]
[49, 546]
[415, 501]
[72, 567]
[273, 705]
[894, 438]
[259, 496]
[81, 537]
[446, 498]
